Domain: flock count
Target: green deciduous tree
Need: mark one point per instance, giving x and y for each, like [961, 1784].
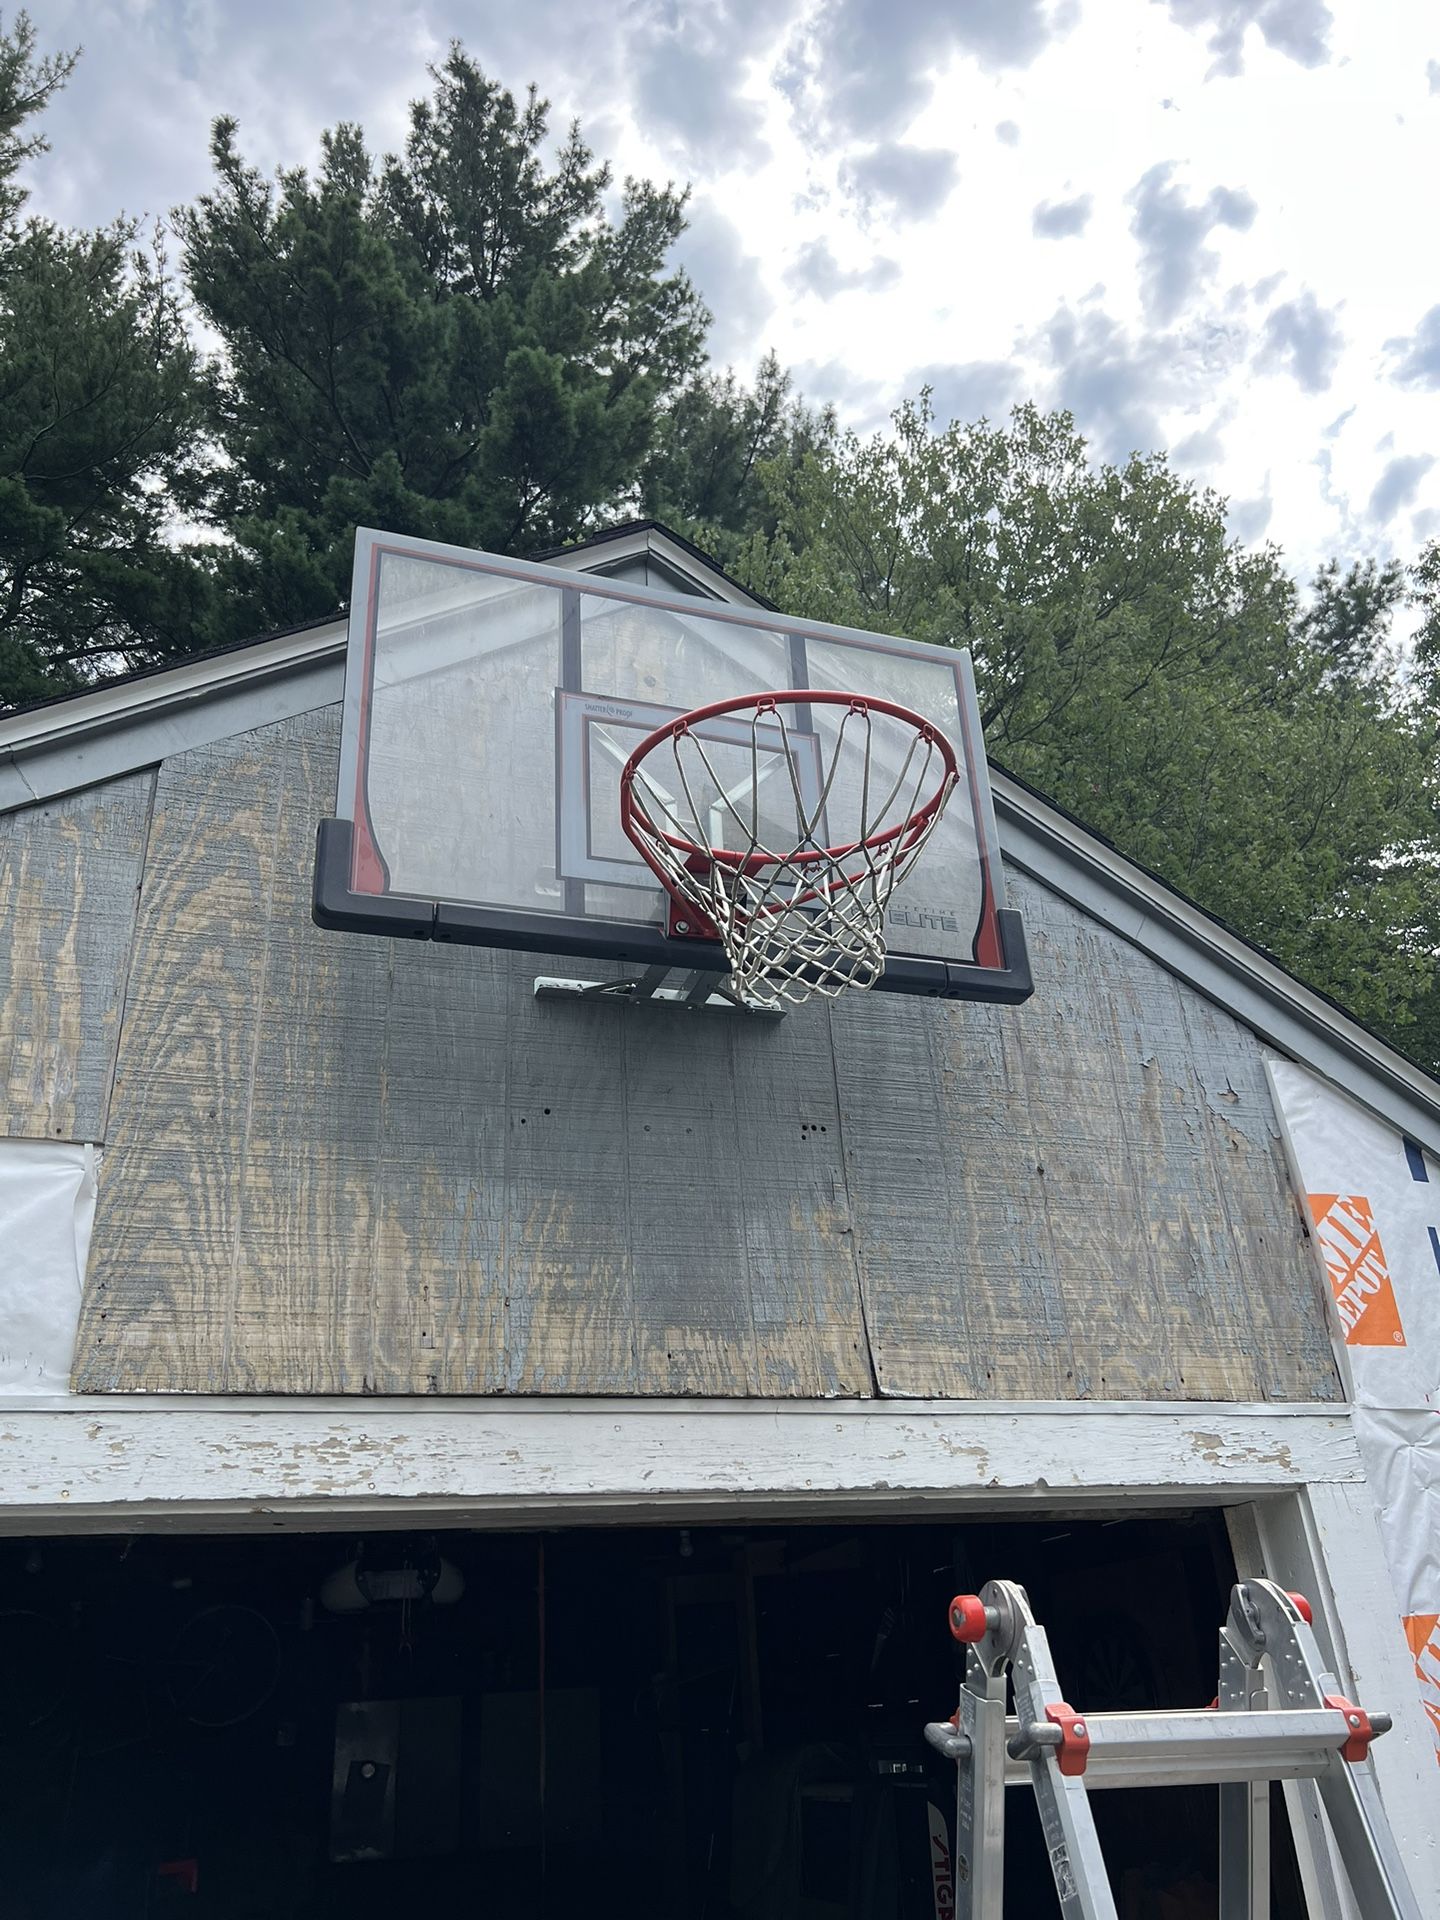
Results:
[1255, 747]
[458, 342]
[98, 410]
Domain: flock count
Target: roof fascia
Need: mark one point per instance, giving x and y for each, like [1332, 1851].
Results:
[113, 730]
[109, 731]
[682, 568]
[118, 729]
[1282, 1010]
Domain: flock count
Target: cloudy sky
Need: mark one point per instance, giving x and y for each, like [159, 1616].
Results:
[1201, 225]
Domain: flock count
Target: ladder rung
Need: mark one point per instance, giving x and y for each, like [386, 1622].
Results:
[1129, 1749]
[1183, 1774]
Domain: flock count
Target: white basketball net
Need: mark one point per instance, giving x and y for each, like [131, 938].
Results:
[793, 874]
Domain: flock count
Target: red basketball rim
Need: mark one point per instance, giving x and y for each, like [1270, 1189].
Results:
[913, 826]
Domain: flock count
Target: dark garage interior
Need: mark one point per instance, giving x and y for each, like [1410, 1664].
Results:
[717, 1722]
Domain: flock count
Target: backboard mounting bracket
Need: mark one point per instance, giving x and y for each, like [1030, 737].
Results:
[692, 991]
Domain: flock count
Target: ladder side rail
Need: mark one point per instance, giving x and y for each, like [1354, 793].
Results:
[1076, 1862]
[1325, 1898]
[1372, 1860]
[1265, 1622]
[1251, 1538]
[980, 1792]
[1244, 1805]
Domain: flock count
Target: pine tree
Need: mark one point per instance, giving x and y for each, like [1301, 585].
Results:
[457, 342]
[98, 418]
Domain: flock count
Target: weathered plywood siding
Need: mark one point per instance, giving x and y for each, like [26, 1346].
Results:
[1083, 1196]
[348, 1165]
[342, 1164]
[69, 882]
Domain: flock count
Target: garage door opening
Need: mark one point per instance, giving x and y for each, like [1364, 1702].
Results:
[714, 1723]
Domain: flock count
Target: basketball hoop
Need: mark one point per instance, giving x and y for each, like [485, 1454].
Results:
[784, 849]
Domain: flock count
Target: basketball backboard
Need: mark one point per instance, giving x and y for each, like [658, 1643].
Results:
[491, 705]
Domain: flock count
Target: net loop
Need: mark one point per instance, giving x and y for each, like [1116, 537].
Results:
[790, 863]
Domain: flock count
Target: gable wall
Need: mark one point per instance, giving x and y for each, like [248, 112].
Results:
[343, 1164]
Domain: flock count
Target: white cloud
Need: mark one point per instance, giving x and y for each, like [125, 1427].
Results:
[971, 390]
[1061, 219]
[908, 183]
[949, 188]
[1304, 340]
[1248, 519]
[1126, 388]
[1398, 484]
[816, 270]
[686, 81]
[730, 280]
[1415, 359]
[1172, 229]
[861, 69]
[1299, 29]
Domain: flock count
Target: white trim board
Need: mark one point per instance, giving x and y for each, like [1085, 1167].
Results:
[651, 543]
[134, 1464]
[124, 725]
[120, 728]
[99, 1465]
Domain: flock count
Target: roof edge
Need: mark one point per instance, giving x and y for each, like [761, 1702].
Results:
[35, 732]
[670, 548]
[125, 725]
[1297, 1019]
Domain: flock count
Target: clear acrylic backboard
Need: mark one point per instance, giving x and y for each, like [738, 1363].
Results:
[490, 705]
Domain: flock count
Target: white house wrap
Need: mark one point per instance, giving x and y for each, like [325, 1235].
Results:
[47, 1208]
[1374, 1203]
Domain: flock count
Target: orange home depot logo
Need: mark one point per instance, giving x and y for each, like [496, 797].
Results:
[1355, 1261]
[1422, 1630]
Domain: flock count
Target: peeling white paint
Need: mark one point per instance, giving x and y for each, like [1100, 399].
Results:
[153, 1462]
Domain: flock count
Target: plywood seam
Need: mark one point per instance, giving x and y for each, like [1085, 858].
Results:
[370, 1357]
[232, 1278]
[626, 1121]
[628, 1194]
[506, 1226]
[123, 1007]
[756, 1367]
[691, 1406]
[855, 1261]
[505, 1365]
[1018, 1062]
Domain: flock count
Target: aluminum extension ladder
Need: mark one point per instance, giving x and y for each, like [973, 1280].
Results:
[1310, 1734]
